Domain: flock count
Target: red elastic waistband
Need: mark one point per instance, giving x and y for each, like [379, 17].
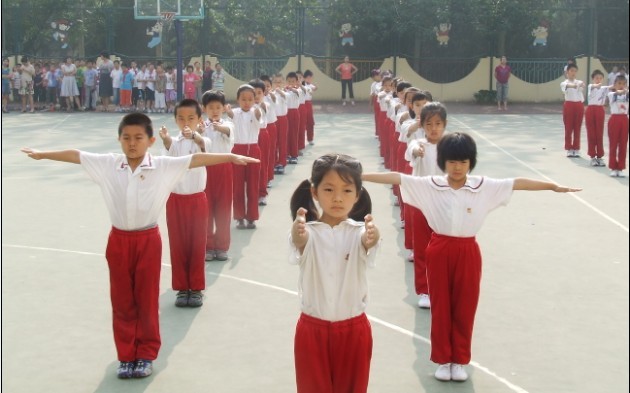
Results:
[453, 238]
[321, 322]
[196, 195]
[142, 232]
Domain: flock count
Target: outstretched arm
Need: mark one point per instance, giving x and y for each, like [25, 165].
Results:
[521, 183]
[207, 159]
[382, 178]
[371, 235]
[71, 156]
[299, 234]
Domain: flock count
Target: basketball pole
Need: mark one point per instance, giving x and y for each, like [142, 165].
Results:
[180, 60]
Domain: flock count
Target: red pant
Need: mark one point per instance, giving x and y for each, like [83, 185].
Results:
[219, 190]
[134, 259]
[572, 115]
[187, 221]
[293, 117]
[332, 357]
[263, 144]
[282, 125]
[273, 141]
[310, 121]
[382, 115]
[454, 273]
[302, 130]
[245, 186]
[376, 110]
[618, 139]
[594, 117]
[421, 235]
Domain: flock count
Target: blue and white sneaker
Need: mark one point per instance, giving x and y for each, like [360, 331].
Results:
[143, 368]
[125, 370]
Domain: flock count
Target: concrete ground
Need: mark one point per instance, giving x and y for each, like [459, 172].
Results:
[553, 313]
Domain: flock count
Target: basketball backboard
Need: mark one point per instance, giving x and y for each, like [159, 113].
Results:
[183, 9]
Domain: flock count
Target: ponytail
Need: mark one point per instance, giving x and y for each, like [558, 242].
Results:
[302, 197]
[362, 207]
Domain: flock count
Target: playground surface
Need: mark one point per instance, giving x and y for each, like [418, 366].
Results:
[552, 318]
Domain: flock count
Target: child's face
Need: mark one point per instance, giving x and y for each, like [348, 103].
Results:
[291, 81]
[434, 128]
[278, 82]
[267, 86]
[135, 142]
[387, 86]
[246, 100]
[416, 107]
[187, 117]
[214, 110]
[309, 79]
[620, 84]
[571, 72]
[259, 95]
[377, 78]
[597, 79]
[457, 170]
[335, 197]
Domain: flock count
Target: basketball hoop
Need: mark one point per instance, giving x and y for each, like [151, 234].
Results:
[167, 17]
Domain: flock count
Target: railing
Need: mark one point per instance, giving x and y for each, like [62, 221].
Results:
[443, 70]
[537, 70]
[610, 63]
[327, 65]
[248, 68]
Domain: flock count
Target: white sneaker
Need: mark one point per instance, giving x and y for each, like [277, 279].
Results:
[569, 153]
[576, 153]
[423, 301]
[343, 103]
[594, 162]
[458, 373]
[614, 173]
[443, 372]
[621, 174]
[262, 201]
[600, 162]
[410, 257]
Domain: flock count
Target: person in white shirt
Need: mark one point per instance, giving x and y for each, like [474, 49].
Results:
[116, 75]
[333, 338]
[310, 118]
[375, 87]
[150, 75]
[618, 126]
[612, 75]
[219, 186]
[594, 118]
[187, 208]
[135, 186]
[455, 206]
[572, 111]
[282, 123]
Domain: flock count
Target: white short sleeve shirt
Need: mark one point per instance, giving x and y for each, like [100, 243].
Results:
[194, 181]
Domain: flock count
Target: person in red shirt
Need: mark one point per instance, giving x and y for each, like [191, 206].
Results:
[346, 70]
[502, 74]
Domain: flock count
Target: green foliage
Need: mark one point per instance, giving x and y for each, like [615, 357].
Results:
[484, 97]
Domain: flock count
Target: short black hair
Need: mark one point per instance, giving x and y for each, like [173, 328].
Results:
[572, 65]
[257, 84]
[308, 73]
[457, 146]
[291, 75]
[211, 96]
[595, 73]
[187, 103]
[136, 119]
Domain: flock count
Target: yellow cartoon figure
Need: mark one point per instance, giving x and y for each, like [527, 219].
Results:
[442, 33]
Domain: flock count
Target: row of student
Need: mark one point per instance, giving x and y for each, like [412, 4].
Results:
[573, 113]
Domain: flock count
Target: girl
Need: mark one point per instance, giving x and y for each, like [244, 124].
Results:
[594, 118]
[455, 206]
[618, 126]
[6, 85]
[282, 124]
[572, 111]
[333, 338]
[247, 124]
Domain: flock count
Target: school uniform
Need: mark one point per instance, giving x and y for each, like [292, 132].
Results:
[134, 201]
[383, 101]
[272, 130]
[246, 177]
[282, 127]
[572, 113]
[618, 130]
[310, 118]
[293, 117]
[333, 338]
[375, 87]
[263, 144]
[453, 256]
[391, 131]
[303, 114]
[187, 220]
[594, 116]
[219, 189]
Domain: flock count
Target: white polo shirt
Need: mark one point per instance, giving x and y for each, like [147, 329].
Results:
[281, 105]
[194, 181]
[427, 164]
[271, 109]
[404, 129]
[221, 143]
[246, 127]
[573, 94]
[618, 103]
[597, 95]
[134, 200]
[457, 213]
[293, 99]
[333, 270]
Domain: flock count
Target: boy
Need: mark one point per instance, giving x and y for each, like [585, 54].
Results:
[594, 118]
[310, 120]
[618, 126]
[282, 124]
[219, 184]
[187, 208]
[293, 116]
[135, 186]
[572, 111]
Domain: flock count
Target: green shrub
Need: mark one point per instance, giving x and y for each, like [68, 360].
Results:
[485, 97]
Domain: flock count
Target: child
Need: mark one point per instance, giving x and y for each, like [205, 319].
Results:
[171, 93]
[618, 126]
[272, 129]
[218, 78]
[333, 338]
[190, 82]
[375, 88]
[187, 208]
[126, 88]
[293, 116]
[310, 119]
[282, 124]
[6, 85]
[135, 186]
[263, 139]
[246, 180]
[90, 94]
[160, 89]
[219, 184]
[455, 206]
[594, 118]
[302, 90]
[572, 111]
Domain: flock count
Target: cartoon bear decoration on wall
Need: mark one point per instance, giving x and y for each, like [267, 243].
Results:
[442, 32]
[541, 33]
[345, 33]
[60, 31]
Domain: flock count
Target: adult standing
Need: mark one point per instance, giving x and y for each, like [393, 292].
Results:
[502, 74]
[26, 85]
[207, 77]
[69, 88]
[105, 87]
[347, 71]
[218, 78]
[612, 75]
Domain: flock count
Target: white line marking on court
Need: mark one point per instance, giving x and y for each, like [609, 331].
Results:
[391, 326]
[571, 194]
[58, 124]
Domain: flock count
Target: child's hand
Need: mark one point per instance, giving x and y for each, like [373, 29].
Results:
[419, 152]
[257, 113]
[243, 160]
[566, 189]
[201, 127]
[32, 153]
[163, 132]
[299, 225]
[187, 133]
[371, 235]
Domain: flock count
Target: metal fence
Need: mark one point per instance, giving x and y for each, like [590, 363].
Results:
[247, 68]
[327, 65]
